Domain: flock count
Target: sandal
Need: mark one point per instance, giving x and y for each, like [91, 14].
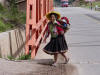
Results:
[66, 61]
[54, 64]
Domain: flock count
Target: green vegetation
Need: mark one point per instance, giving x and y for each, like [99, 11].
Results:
[96, 3]
[71, 1]
[0, 56]
[88, 5]
[81, 2]
[5, 26]
[11, 18]
[1, 8]
[10, 58]
[21, 57]
[24, 57]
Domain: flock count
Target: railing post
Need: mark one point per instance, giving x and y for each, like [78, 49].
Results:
[37, 11]
[35, 20]
[33, 30]
[27, 29]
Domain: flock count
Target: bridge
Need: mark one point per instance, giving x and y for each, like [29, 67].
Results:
[36, 23]
[83, 40]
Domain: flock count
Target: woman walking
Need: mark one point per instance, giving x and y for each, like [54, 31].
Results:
[57, 44]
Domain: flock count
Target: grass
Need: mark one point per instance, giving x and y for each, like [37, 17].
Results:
[5, 26]
[0, 56]
[22, 57]
[11, 58]
[19, 18]
[25, 57]
[87, 5]
[96, 3]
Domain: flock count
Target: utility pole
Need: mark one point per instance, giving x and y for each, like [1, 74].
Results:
[91, 5]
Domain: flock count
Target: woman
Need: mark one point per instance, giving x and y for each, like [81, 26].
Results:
[57, 43]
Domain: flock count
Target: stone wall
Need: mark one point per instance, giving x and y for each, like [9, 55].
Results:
[22, 6]
[4, 2]
[12, 43]
[20, 3]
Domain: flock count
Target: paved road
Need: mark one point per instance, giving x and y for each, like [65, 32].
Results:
[84, 49]
[84, 39]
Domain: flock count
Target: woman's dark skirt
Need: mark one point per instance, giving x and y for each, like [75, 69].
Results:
[56, 45]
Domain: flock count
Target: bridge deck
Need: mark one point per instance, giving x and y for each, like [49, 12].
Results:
[84, 49]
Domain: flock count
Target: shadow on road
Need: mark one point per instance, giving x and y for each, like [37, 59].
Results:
[60, 69]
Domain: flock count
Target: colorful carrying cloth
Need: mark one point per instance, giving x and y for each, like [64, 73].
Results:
[53, 29]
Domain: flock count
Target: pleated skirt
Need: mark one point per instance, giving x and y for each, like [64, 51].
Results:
[56, 45]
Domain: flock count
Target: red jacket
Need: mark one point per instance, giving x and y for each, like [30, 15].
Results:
[59, 30]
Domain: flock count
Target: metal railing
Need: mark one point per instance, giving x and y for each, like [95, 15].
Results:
[36, 23]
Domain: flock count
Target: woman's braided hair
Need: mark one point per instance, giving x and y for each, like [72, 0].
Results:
[54, 14]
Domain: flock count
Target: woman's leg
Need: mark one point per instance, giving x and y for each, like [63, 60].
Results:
[66, 59]
[55, 57]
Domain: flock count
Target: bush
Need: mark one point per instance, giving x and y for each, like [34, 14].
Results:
[10, 57]
[96, 3]
[13, 17]
[24, 57]
[93, 4]
[5, 26]
[1, 8]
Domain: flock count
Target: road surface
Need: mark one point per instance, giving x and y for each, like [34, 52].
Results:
[84, 39]
[84, 49]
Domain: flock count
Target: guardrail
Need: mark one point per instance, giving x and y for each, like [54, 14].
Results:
[36, 24]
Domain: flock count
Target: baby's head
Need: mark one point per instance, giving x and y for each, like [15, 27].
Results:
[63, 20]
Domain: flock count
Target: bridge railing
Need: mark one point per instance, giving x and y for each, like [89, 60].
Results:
[36, 24]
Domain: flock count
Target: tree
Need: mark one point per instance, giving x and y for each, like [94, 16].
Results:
[13, 8]
[81, 2]
[70, 1]
[57, 0]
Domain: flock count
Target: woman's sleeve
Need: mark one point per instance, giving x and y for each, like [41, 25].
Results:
[59, 28]
[46, 28]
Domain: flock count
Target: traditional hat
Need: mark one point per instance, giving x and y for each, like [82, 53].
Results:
[53, 12]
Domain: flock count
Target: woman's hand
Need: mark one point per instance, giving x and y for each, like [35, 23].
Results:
[44, 41]
[62, 32]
